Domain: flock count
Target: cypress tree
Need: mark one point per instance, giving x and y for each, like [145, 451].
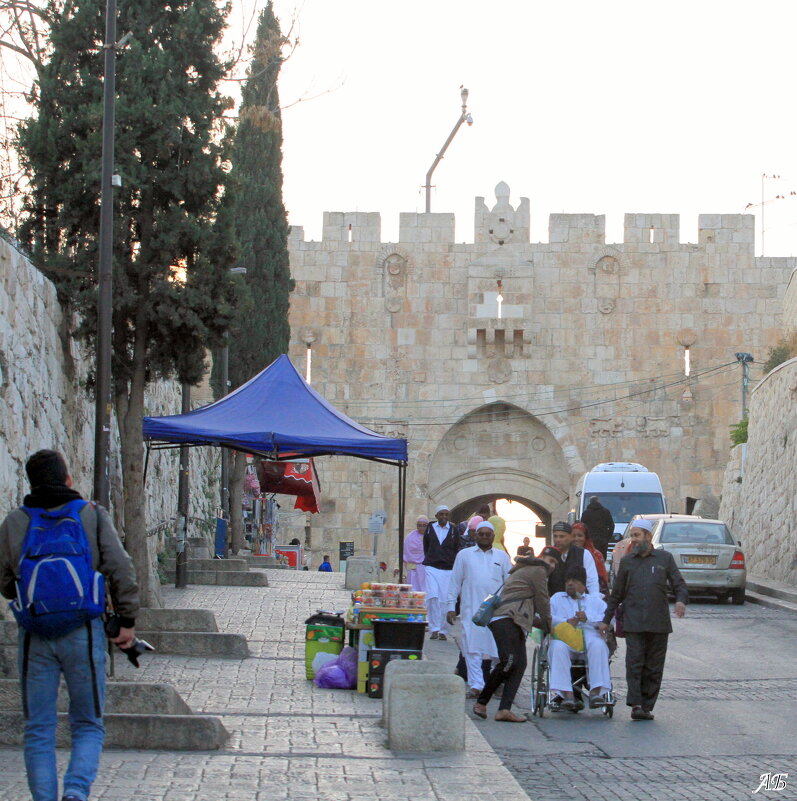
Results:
[172, 246]
[260, 331]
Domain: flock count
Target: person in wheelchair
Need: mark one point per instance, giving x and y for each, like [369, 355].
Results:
[581, 613]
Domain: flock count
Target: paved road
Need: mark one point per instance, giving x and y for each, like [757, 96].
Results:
[727, 714]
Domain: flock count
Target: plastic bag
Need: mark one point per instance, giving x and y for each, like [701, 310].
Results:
[340, 673]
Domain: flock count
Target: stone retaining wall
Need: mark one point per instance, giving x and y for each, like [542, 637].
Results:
[759, 494]
[44, 403]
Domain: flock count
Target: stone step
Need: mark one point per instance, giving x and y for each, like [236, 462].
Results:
[224, 578]
[150, 619]
[267, 563]
[142, 698]
[135, 731]
[209, 564]
[212, 644]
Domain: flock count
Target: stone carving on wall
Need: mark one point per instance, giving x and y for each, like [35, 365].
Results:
[394, 264]
[641, 426]
[607, 268]
[499, 370]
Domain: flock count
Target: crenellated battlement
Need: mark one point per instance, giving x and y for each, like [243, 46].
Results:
[505, 224]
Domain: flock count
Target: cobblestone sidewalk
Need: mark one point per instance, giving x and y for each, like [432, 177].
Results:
[289, 740]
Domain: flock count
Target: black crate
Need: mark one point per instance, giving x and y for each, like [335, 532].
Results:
[379, 657]
[399, 634]
[374, 686]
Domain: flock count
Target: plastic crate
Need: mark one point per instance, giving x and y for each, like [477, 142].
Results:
[399, 635]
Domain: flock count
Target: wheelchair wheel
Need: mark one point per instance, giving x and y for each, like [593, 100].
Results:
[539, 684]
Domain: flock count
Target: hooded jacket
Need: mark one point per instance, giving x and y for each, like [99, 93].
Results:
[525, 593]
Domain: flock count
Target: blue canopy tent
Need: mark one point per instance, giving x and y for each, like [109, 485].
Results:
[279, 416]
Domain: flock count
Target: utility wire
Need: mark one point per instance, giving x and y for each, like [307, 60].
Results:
[490, 411]
[531, 395]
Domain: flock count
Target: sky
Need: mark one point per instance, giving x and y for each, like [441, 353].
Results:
[583, 107]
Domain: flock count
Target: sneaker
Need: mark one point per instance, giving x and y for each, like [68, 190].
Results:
[434, 635]
[441, 636]
[638, 713]
[71, 798]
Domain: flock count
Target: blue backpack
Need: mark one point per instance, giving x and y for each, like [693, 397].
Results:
[58, 589]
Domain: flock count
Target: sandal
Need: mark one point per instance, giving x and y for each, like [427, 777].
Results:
[508, 716]
[480, 711]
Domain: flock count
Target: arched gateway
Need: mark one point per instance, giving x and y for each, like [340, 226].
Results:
[501, 451]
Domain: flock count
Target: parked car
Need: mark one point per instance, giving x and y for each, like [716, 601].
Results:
[709, 559]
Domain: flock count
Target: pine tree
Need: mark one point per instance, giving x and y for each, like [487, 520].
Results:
[172, 246]
[260, 332]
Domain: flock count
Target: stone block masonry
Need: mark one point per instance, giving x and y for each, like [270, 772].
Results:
[45, 403]
[583, 363]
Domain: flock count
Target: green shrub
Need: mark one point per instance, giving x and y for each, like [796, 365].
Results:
[785, 349]
[739, 432]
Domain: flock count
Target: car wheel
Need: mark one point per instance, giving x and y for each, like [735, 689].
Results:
[737, 596]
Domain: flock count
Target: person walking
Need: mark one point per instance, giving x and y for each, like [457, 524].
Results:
[571, 555]
[478, 571]
[326, 565]
[441, 543]
[415, 572]
[600, 524]
[525, 594]
[641, 586]
[61, 538]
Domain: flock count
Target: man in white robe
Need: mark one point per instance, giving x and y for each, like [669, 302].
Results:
[478, 571]
[441, 543]
[583, 611]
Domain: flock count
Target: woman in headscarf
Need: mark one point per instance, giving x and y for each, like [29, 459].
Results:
[413, 555]
[582, 539]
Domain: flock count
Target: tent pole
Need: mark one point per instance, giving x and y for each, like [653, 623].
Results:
[402, 507]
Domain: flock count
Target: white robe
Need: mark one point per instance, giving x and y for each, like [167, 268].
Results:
[563, 607]
[476, 574]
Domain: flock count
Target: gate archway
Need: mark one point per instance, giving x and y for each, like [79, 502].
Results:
[501, 451]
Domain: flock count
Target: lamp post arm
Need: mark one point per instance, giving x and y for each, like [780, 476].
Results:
[439, 157]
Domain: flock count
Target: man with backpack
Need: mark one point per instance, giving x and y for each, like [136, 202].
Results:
[56, 553]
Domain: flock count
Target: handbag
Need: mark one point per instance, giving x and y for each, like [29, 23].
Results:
[486, 611]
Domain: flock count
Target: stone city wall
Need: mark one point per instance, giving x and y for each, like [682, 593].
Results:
[584, 364]
[44, 404]
[759, 495]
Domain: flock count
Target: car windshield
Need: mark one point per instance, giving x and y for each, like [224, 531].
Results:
[689, 532]
[624, 506]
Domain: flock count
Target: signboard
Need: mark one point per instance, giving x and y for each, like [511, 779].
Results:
[345, 550]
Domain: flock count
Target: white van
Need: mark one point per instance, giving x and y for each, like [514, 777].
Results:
[624, 488]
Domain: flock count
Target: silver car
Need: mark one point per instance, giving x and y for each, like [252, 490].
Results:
[709, 559]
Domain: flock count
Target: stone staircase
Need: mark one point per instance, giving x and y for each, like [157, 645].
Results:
[189, 632]
[218, 572]
[138, 715]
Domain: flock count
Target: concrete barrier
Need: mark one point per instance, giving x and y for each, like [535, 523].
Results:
[360, 569]
[426, 713]
[404, 667]
[219, 565]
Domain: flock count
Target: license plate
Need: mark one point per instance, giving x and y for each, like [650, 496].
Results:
[699, 560]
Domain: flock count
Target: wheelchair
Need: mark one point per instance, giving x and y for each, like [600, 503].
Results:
[579, 672]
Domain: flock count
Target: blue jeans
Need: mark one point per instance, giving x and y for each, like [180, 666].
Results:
[40, 667]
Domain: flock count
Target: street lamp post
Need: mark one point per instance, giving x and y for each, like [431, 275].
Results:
[463, 117]
[102, 410]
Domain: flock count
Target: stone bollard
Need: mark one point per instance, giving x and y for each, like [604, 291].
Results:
[360, 569]
[426, 713]
[404, 667]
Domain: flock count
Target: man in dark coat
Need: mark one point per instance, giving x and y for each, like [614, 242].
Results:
[641, 586]
[600, 524]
